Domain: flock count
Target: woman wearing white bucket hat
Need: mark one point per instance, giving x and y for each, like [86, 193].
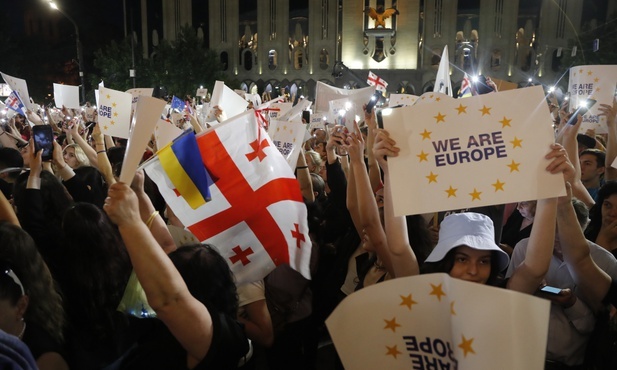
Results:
[466, 247]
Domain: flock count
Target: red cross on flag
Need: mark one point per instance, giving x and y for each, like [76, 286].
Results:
[379, 83]
[256, 219]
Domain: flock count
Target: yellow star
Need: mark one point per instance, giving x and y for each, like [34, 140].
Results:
[498, 185]
[475, 194]
[514, 166]
[284, 128]
[580, 70]
[485, 110]
[392, 351]
[589, 73]
[423, 156]
[278, 129]
[431, 96]
[105, 127]
[426, 134]
[440, 117]
[392, 324]
[461, 109]
[437, 291]
[597, 89]
[516, 142]
[115, 114]
[505, 122]
[108, 96]
[294, 140]
[452, 312]
[438, 99]
[596, 79]
[112, 122]
[466, 346]
[113, 105]
[432, 177]
[407, 301]
[451, 192]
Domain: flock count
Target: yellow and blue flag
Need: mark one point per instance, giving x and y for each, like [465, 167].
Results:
[182, 163]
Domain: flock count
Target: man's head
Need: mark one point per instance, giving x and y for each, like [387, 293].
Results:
[592, 166]
[10, 158]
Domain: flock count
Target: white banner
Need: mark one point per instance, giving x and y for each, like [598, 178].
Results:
[593, 82]
[437, 322]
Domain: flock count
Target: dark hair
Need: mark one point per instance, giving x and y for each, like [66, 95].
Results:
[97, 187]
[116, 156]
[11, 157]
[19, 252]
[97, 268]
[419, 237]
[600, 156]
[55, 198]
[207, 277]
[595, 213]
[9, 289]
[447, 263]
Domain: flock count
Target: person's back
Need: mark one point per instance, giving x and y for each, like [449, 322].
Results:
[570, 325]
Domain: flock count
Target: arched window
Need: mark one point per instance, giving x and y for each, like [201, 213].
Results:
[247, 59]
[324, 59]
[224, 60]
[298, 58]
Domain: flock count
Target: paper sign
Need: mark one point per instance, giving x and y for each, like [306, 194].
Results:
[478, 151]
[288, 138]
[66, 95]
[137, 92]
[165, 132]
[114, 112]
[231, 103]
[402, 100]
[20, 87]
[592, 82]
[326, 93]
[146, 116]
[437, 322]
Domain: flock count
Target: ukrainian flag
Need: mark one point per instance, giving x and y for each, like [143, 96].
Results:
[182, 163]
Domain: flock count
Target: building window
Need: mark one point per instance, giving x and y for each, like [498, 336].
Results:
[224, 61]
[247, 59]
[324, 59]
[272, 59]
[298, 58]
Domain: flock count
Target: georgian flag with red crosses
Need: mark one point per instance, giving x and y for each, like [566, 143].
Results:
[256, 219]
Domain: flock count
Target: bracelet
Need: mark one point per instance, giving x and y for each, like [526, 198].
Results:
[301, 167]
[151, 219]
[101, 151]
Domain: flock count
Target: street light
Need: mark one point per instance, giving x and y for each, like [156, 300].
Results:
[80, 56]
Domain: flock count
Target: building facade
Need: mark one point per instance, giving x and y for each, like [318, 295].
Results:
[269, 45]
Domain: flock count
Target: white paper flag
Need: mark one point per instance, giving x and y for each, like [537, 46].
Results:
[20, 87]
[66, 95]
[592, 82]
[114, 112]
[231, 103]
[478, 151]
[437, 322]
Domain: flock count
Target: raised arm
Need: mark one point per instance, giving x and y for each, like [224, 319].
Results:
[610, 112]
[528, 276]
[368, 213]
[592, 283]
[304, 177]
[187, 318]
[90, 152]
[404, 261]
[570, 144]
[373, 167]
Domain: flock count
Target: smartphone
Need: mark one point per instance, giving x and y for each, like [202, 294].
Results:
[379, 119]
[43, 140]
[371, 103]
[581, 111]
[550, 290]
[306, 116]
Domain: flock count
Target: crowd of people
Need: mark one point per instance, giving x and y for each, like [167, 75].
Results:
[99, 274]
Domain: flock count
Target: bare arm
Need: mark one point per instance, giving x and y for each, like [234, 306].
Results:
[304, 178]
[528, 276]
[187, 318]
[404, 261]
[610, 112]
[570, 143]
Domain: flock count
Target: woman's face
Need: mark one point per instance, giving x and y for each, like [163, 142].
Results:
[471, 264]
[70, 158]
[527, 209]
[609, 210]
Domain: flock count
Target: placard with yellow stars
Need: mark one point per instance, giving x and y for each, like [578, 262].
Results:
[287, 137]
[402, 100]
[137, 92]
[592, 82]
[462, 153]
[434, 321]
[114, 112]
[20, 87]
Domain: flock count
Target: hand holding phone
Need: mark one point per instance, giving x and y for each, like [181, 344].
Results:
[581, 111]
[371, 103]
[550, 290]
[43, 140]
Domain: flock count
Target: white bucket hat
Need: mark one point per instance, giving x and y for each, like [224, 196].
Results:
[474, 230]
